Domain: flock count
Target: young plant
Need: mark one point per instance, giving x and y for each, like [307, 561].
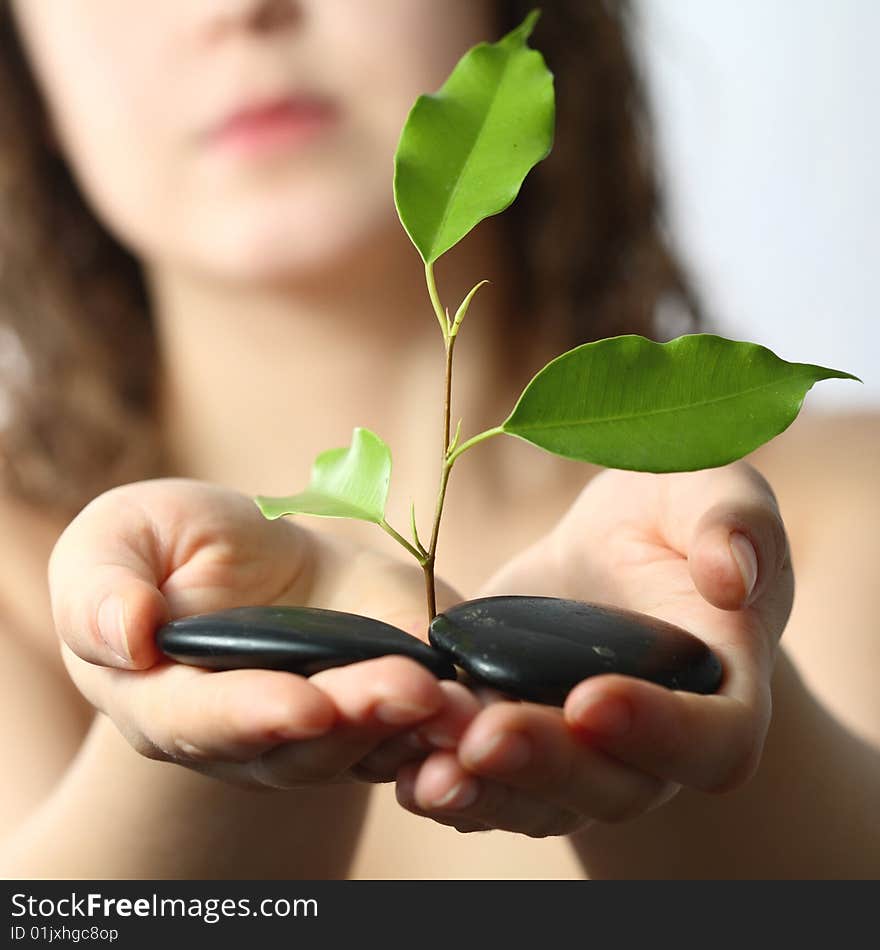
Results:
[698, 401]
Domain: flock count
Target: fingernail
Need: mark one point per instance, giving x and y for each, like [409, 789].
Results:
[112, 626]
[439, 740]
[504, 752]
[396, 713]
[746, 560]
[461, 795]
[608, 717]
[300, 733]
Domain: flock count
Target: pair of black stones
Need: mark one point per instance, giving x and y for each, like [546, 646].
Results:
[531, 648]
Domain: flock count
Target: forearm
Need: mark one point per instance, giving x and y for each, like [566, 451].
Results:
[116, 814]
[809, 812]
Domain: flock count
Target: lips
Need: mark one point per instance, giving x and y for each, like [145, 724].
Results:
[271, 124]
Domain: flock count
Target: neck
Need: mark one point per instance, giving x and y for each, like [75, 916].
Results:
[256, 381]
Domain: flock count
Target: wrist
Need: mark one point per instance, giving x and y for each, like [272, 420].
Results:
[117, 814]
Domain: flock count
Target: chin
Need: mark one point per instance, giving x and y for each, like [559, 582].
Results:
[290, 241]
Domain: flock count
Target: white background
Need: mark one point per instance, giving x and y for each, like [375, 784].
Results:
[769, 125]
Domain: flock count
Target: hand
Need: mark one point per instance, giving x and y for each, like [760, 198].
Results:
[658, 544]
[173, 547]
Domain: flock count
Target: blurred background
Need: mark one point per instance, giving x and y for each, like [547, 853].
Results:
[771, 142]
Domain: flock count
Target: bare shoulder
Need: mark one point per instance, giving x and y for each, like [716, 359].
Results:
[824, 471]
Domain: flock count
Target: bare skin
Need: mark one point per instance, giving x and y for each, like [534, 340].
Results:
[433, 850]
[283, 322]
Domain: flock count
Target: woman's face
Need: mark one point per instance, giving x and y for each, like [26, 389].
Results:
[248, 139]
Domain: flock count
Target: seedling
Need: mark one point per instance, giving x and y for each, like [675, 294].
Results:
[626, 402]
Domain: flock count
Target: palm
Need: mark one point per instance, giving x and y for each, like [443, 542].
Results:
[619, 544]
[217, 551]
[621, 746]
[176, 547]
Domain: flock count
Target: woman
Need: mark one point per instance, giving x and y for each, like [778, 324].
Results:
[203, 258]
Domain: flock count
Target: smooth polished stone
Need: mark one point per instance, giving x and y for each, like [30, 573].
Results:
[302, 640]
[538, 648]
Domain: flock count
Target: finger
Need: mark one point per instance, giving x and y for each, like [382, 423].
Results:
[187, 714]
[382, 763]
[726, 521]
[385, 691]
[486, 695]
[142, 554]
[530, 748]
[712, 743]
[405, 792]
[103, 577]
[373, 700]
[444, 791]
[445, 730]
[688, 575]
[439, 732]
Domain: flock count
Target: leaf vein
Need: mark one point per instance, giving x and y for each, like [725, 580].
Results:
[587, 420]
[470, 154]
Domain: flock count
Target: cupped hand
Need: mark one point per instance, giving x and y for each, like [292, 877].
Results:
[704, 550]
[148, 552]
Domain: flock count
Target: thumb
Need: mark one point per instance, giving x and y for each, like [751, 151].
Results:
[103, 575]
[738, 551]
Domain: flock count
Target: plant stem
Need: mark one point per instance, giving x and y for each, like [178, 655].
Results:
[428, 564]
[473, 440]
[418, 555]
[448, 458]
[448, 461]
[447, 399]
[430, 593]
[435, 300]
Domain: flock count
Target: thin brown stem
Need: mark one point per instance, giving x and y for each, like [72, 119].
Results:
[428, 568]
[450, 332]
[428, 563]
[444, 478]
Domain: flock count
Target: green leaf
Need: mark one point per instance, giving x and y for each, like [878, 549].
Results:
[464, 152]
[345, 483]
[695, 402]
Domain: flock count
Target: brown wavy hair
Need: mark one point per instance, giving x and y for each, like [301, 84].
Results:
[78, 353]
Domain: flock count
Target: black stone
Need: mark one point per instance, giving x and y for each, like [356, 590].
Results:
[538, 648]
[300, 640]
